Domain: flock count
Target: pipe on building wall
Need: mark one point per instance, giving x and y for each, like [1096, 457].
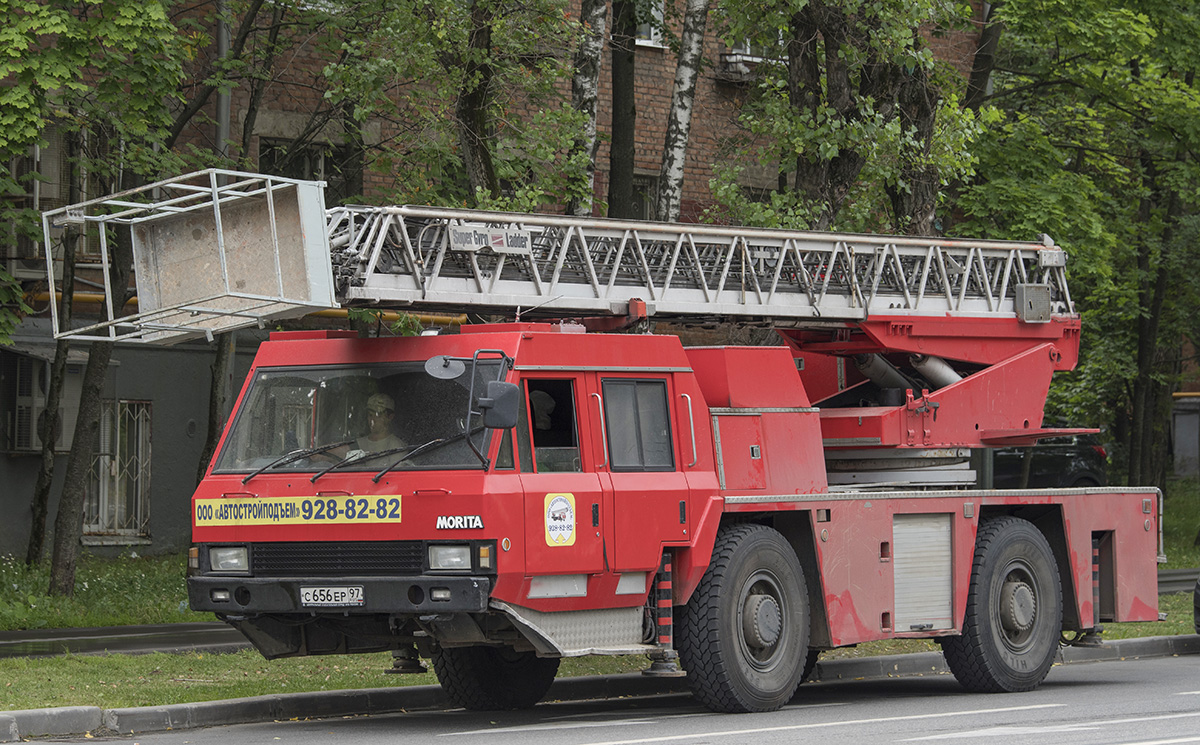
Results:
[223, 93]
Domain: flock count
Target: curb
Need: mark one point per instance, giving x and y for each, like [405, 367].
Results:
[78, 720]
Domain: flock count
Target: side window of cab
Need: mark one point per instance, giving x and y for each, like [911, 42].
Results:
[638, 425]
[554, 425]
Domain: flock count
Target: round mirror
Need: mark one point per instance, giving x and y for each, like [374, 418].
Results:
[443, 367]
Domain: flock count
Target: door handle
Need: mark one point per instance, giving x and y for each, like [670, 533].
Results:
[692, 426]
[603, 434]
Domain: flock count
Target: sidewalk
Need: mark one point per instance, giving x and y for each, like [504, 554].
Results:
[78, 720]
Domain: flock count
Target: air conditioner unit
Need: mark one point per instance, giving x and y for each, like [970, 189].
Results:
[32, 378]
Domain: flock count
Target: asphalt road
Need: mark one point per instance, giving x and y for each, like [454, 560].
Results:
[1132, 702]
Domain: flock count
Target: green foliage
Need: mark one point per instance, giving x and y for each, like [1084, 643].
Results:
[105, 68]
[1181, 523]
[407, 63]
[108, 592]
[12, 306]
[405, 324]
[1095, 147]
[839, 143]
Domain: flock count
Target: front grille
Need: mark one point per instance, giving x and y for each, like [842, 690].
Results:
[368, 558]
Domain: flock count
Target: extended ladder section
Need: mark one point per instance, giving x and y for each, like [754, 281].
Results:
[219, 250]
[554, 265]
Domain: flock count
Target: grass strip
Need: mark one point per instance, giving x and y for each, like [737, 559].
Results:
[118, 681]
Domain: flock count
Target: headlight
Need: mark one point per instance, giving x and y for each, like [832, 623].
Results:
[229, 559]
[450, 557]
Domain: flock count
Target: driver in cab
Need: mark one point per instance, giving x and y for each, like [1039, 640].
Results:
[381, 411]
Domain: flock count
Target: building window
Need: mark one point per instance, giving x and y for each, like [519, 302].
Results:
[742, 60]
[650, 30]
[645, 197]
[117, 500]
[339, 166]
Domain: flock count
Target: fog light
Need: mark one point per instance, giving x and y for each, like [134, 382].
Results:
[450, 557]
[219, 596]
[439, 593]
[229, 559]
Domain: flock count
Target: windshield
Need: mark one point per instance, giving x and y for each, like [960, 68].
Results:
[347, 415]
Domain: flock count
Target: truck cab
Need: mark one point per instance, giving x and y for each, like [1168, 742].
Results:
[360, 501]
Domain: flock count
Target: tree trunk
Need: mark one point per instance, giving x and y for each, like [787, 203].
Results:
[471, 108]
[914, 200]
[219, 392]
[804, 94]
[679, 120]
[50, 423]
[205, 92]
[585, 90]
[624, 110]
[1153, 272]
[1026, 467]
[68, 524]
[985, 57]
[259, 85]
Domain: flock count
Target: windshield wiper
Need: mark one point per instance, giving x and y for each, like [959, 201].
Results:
[425, 447]
[294, 456]
[359, 456]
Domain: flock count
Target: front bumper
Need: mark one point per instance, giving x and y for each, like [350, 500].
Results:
[389, 595]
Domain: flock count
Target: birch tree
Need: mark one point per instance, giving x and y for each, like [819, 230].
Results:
[585, 90]
[679, 119]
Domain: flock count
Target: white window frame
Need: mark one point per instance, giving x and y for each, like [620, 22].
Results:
[649, 34]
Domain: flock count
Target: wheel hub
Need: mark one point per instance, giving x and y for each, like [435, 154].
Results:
[1018, 606]
[762, 620]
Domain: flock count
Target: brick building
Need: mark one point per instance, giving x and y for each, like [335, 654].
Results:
[155, 410]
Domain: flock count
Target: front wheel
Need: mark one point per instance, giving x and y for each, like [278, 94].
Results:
[493, 678]
[743, 636]
[1014, 611]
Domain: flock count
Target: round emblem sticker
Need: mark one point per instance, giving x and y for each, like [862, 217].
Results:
[560, 519]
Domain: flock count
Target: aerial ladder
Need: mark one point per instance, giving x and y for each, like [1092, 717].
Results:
[916, 348]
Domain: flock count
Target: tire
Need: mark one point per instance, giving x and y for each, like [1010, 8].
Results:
[1013, 622]
[743, 636]
[810, 664]
[494, 678]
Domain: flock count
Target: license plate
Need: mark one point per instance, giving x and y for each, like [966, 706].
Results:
[339, 596]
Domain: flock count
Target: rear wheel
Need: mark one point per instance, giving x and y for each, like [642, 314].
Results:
[494, 678]
[743, 636]
[810, 664]
[1014, 611]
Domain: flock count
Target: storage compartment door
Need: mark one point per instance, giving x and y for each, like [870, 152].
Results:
[923, 565]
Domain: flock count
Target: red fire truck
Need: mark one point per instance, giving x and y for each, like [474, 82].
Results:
[537, 487]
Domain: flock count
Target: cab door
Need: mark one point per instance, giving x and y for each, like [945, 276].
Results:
[563, 497]
[641, 467]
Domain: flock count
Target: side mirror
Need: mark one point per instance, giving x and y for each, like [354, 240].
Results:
[501, 405]
[444, 367]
